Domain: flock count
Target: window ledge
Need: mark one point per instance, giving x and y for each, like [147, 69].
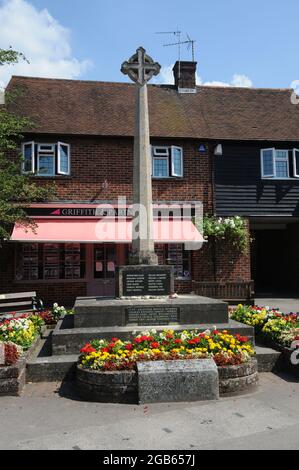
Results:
[280, 179]
[163, 178]
[48, 177]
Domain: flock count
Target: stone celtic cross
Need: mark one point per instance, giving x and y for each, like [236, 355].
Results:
[140, 67]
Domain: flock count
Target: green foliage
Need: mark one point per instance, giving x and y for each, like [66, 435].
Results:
[17, 190]
[9, 56]
[232, 229]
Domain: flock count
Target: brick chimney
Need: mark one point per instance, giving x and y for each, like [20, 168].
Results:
[185, 76]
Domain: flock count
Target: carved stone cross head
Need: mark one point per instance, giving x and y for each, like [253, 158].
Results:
[140, 67]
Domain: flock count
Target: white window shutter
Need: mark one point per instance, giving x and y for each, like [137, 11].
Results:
[296, 162]
[268, 163]
[28, 152]
[176, 161]
[63, 158]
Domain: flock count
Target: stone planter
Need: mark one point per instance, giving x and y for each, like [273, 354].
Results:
[12, 378]
[135, 386]
[111, 387]
[239, 379]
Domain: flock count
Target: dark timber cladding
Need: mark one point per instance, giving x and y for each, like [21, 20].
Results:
[240, 189]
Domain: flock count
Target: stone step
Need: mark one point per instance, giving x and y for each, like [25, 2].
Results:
[70, 340]
[51, 368]
[267, 358]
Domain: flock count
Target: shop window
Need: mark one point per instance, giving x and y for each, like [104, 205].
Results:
[50, 261]
[175, 255]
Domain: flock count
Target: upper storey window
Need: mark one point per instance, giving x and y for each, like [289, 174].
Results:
[167, 162]
[279, 164]
[46, 159]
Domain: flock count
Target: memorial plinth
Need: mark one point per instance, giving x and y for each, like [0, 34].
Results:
[183, 310]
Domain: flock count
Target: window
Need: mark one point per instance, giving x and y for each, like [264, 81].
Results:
[27, 262]
[50, 261]
[275, 163]
[63, 159]
[161, 167]
[47, 159]
[175, 255]
[28, 155]
[167, 162]
[296, 162]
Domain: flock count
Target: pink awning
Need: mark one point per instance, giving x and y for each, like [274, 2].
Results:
[104, 230]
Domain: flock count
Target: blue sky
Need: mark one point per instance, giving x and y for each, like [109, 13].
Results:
[256, 41]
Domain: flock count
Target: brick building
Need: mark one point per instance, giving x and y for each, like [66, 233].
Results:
[83, 141]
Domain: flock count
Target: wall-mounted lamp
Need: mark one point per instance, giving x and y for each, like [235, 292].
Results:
[105, 185]
[218, 150]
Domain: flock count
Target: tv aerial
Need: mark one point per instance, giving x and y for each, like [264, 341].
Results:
[189, 42]
[190, 45]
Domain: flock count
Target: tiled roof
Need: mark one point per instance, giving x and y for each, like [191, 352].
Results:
[108, 108]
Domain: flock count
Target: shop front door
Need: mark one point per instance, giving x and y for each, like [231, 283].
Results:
[101, 260]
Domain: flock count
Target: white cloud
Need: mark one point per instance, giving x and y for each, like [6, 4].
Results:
[238, 80]
[41, 38]
[241, 81]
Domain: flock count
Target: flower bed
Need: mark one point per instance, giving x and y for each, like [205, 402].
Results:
[269, 324]
[11, 353]
[22, 330]
[273, 329]
[224, 348]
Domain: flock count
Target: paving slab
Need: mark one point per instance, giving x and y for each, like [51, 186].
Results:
[48, 416]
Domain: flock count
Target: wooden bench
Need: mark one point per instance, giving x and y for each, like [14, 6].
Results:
[231, 291]
[20, 302]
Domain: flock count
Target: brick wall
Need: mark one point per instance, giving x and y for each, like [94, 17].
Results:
[95, 160]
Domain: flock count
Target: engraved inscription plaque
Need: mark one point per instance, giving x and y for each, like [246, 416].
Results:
[147, 283]
[152, 315]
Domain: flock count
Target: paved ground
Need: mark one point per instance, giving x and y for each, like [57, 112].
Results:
[46, 418]
[286, 305]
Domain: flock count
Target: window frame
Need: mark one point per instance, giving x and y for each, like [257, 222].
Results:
[32, 143]
[296, 174]
[160, 157]
[175, 147]
[282, 160]
[166, 152]
[274, 160]
[59, 171]
[40, 149]
[45, 153]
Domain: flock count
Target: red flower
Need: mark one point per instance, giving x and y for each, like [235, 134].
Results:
[137, 340]
[242, 339]
[114, 340]
[111, 345]
[178, 341]
[169, 335]
[154, 345]
[129, 346]
[87, 349]
[215, 332]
